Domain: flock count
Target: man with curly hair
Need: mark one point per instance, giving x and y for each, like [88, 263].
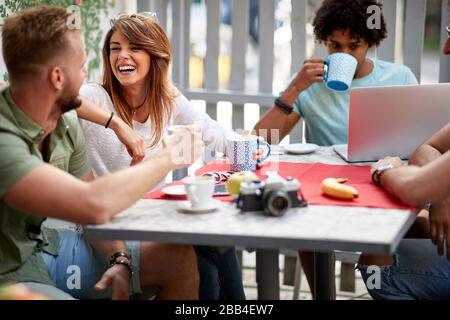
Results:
[342, 26]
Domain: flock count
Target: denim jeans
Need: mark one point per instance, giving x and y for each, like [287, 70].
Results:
[220, 275]
[75, 251]
[418, 273]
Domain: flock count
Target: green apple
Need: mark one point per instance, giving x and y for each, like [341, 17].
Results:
[235, 180]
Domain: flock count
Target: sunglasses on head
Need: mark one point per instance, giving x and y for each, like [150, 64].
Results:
[140, 15]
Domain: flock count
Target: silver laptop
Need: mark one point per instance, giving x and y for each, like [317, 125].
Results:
[393, 121]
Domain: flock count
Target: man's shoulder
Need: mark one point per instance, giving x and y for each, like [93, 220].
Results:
[10, 139]
[7, 122]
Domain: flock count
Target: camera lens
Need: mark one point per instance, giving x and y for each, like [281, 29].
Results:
[276, 203]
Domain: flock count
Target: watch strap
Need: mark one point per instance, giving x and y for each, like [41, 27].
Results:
[283, 106]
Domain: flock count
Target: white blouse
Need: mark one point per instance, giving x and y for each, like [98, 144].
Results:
[107, 154]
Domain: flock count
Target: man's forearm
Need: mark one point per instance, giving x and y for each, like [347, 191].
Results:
[274, 119]
[423, 155]
[418, 185]
[113, 193]
[107, 248]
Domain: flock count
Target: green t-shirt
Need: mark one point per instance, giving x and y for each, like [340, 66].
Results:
[22, 238]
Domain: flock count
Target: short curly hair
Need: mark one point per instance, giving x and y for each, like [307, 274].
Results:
[348, 15]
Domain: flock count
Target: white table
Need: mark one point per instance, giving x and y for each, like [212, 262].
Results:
[322, 229]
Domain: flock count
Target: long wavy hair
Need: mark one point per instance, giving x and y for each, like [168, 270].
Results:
[148, 35]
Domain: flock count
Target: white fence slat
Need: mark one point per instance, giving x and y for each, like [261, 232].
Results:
[235, 97]
[415, 26]
[239, 21]
[158, 6]
[180, 42]
[266, 42]
[186, 41]
[180, 46]
[298, 26]
[299, 18]
[211, 71]
[130, 6]
[444, 61]
[240, 26]
[386, 50]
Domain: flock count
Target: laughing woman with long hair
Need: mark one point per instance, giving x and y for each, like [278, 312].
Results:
[136, 89]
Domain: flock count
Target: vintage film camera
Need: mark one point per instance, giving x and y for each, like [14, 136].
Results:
[273, 196]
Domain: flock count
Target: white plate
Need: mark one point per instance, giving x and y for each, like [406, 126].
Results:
[301, 148]
[175, 191]
[186, 206]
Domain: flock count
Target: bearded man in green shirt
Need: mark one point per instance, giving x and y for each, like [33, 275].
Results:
[43, 173]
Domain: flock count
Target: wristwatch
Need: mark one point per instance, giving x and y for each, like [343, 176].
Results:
[376, 174]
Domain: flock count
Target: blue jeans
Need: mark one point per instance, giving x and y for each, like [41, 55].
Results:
[220, 275]
[76, 257]
[418, 273]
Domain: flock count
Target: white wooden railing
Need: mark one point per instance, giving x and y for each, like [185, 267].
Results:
[404, 44]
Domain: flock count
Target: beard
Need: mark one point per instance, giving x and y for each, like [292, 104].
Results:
[69, 99]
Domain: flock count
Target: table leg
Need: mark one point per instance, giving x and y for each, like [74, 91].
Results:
[267, 274]
[324, 276]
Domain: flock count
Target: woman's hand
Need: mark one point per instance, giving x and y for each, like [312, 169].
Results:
[132, 141]
[259, 153]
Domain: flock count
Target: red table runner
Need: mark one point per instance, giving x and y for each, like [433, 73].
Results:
[310, 176]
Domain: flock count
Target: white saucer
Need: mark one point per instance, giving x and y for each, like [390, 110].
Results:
[301, 148]
[186, 206]
[176, 191]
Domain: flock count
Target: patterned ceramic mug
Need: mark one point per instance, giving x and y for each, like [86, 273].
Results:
[241, 150]
[339, 71]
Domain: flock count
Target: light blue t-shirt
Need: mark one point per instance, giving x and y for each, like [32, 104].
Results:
[325, 111]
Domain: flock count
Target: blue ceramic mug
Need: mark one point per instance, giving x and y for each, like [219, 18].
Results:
[339, 71]
[241, 149]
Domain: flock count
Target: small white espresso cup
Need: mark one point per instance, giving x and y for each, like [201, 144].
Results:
[199, 191]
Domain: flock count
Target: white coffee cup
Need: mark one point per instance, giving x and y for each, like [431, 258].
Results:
[199, 191]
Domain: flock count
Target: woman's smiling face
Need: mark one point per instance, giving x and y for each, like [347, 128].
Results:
[130, 64]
